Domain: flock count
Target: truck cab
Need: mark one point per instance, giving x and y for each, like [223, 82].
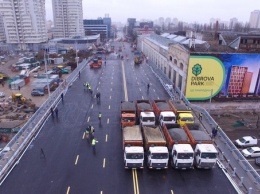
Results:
[158, 157]
[185, 118]
[134, 157]
[167, 118]
[182, 156]
[205, 156]
[127, 119]
[147, 119]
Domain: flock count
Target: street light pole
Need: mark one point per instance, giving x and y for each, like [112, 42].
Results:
[47, 77]
[211, 92]
[77, 61]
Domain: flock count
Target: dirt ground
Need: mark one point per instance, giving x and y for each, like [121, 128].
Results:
[238, 125]
[236, 119]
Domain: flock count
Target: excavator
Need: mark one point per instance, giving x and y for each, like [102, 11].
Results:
[19, 98]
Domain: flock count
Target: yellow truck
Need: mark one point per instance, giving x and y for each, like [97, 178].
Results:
[182, 112]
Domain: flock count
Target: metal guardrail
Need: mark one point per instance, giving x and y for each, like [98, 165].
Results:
[10, 155]
[244, 164]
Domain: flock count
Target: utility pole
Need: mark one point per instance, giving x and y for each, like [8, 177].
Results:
[45, 64]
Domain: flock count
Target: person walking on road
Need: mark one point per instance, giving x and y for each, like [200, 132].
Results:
[98, 96]
[200, 116]
[93, 143]
[214, 132]
[148, 86]
[88, 133]
[99, 116]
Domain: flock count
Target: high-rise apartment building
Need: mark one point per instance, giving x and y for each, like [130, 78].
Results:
[232, 23]
[24, 23]
[2, 30]
[68, 18]
[254, 20]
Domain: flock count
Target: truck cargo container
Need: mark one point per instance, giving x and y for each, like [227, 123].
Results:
[155, 145]
[163, 112]
[133, 147]
[197, 134]
[175, 134]
[182, 112]
[205, 152]
[128, 113]
[145, 113]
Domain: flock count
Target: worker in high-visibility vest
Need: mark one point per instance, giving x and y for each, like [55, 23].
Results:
[93, 143]
[200, 116]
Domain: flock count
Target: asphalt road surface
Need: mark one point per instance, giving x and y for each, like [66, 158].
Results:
[68, 165]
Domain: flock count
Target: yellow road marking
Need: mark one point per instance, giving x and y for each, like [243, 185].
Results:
[68, 190]
[101, 192]
[99, 83]
[97, 88]
[76, 162]
[110, 89]
[135, 181]
[92, 106]
[140, 89]
[107, 121]
[142, 97]
[110, 97]
[83, 135]
[104, 162]
[88, 119]
[172, 192]
[108, 106]
[106, 137]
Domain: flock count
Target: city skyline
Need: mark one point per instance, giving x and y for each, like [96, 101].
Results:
[184, 11]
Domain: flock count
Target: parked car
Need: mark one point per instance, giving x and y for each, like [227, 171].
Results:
[246, 141]
[2, 94]
[257, 161]
[251, 152]
[37, 93]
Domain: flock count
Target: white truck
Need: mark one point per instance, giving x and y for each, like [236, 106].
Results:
[133, 147]
[246, 141]
[205, 152]
[145, 113]
[182, 156]
[155, 145]
[205, 156]
[163, 112]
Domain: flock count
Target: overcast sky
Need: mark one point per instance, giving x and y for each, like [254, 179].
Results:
[190, 11]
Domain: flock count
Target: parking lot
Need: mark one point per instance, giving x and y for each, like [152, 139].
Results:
[237, 125]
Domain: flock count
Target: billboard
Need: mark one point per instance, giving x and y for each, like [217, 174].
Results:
[232, 74]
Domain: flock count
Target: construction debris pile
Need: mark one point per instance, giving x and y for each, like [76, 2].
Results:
[14, 113]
